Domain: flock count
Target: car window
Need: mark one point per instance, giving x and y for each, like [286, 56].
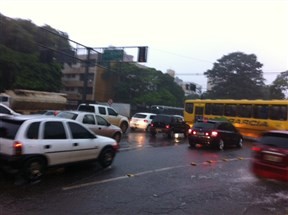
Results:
[33, 130]
[4, 110]
[152, 116]
[138, 115]
[67, 115]
[101, 121]
[207, 125]
[54, 130]
[89, 119]
[162, 118]
[111, 112]
[102, 110]
[9, 128]
[87, 108]
[79, 132]
[275, 139]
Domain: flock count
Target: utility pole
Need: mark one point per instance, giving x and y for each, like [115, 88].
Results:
[86, 75]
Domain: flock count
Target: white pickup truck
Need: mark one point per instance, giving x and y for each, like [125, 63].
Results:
[108, 113]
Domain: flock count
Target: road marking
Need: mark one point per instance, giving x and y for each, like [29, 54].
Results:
[149, 172]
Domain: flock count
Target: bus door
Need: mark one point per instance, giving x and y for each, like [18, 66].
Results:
[199, 112]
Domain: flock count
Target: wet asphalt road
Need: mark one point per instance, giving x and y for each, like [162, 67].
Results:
[151, 176]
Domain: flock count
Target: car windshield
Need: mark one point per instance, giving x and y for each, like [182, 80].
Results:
[162, 118]
[67, 115]
[207, 125]
[9, 128]
[275, 139]
[138, 115]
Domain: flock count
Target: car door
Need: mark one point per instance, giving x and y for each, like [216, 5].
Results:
[227, 135]
[113, 117]
[84, 143]
[103, 126]
[89, 121]
[55, 143]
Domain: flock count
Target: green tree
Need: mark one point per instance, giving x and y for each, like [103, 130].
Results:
[236, 76]
[279, 86]
[147, 86]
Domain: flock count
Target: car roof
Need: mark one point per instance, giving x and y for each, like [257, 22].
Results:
[145, 113]
[33, 117]
[212, 121]
[276, 132]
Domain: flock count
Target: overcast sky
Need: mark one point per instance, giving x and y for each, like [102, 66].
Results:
[187, 36]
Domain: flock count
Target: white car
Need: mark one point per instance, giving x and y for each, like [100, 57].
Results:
[95, 123]
[5, 110]
[31, 144]
[141, 121]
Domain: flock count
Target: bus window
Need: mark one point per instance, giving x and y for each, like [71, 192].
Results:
[230, 110]
[189, 107]
[217, 109]
[244, 111]
[208, 109]
[261, 111]
[278, 112]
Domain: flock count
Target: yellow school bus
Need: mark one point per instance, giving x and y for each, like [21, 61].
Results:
[251, 117]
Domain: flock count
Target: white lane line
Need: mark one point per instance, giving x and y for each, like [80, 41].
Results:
[146, 172]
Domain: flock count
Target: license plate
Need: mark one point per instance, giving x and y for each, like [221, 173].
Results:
[272, 158]
[200, 133]
[158, 130]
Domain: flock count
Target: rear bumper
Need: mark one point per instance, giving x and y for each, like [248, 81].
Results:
[268, 171]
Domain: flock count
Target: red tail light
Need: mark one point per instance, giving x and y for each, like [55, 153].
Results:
[167, 126]
[152, 125]
[256, 148]
[145, 120]
[17, 148]
[214, 134]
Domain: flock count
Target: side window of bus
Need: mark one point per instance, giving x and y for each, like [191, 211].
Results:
[217, 109]
[278, 112]
[261, 111]
[230, 110]
[189, 107]
[208, 109]
[244, 111]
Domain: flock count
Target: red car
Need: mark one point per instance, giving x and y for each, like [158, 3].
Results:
[270, 156]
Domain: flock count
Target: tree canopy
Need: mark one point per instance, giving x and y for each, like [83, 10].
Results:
[24, 59]
[147, 86]
[236, 76]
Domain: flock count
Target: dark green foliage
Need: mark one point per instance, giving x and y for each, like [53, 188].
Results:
[21, 43]
[144, 86]
[236, 76]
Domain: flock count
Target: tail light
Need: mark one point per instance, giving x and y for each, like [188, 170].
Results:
[214, 134]
[145, 120]
[256, 151]
[167, 126]
[151, 125]
[191, 131]
[18, 146]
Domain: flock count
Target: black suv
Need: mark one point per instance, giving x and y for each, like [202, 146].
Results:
[168, 124]
[214, 133]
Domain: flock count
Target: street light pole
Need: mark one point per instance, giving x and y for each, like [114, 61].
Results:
[84, 94]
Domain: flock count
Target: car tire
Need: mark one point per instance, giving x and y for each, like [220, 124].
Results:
[34, 169]
[106, 157]
[124, 127]
[147, 128]
[240, 143]
[171, 134]
[117, 137]
[221, 145]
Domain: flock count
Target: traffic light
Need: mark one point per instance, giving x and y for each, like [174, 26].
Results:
[142, 54]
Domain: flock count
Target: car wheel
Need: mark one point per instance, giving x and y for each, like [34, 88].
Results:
[34, 169]
[221, 144]
[171, 134]
[106, 157]
[117, 137]
[147, 128]
[240, 143]
[124, 127]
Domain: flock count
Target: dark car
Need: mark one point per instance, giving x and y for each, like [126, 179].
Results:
[270, 156]
[168, 124]
[212, 133]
